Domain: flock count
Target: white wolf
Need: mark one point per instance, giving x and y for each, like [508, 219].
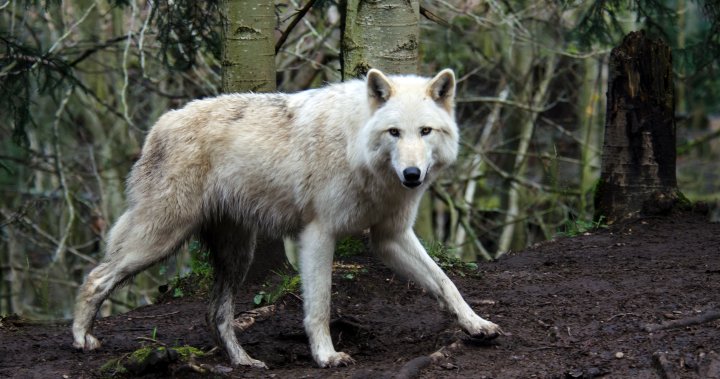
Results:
[322, 163]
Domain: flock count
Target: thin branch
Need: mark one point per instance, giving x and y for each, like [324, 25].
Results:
[490, 99]
[141, 42]
[698, 141]
[126, 76]
[25, 220]
[708, 316]
[434, 18]
[300, 14]
[96, 48]
[62, 244]
[71, 29]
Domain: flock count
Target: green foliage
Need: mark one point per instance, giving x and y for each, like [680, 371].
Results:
[186, 352]
[289, 283]
[119, 366]
[448, 261]
[200, 278]
[349, 247]
[114, 367]
[573, 228]
[199, 259]
[186, 28]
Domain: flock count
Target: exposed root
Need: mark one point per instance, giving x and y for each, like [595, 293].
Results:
[702, 318]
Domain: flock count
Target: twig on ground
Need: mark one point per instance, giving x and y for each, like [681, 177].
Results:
[702, 318]
[248, 318]
[153, 316]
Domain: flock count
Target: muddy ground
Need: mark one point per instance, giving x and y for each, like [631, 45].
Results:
[571, 308]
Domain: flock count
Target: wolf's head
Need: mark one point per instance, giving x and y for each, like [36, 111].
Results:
[411, 130]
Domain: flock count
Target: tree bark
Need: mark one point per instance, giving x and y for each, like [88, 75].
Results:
[638, 159]
[248, 57]
[248, 62]
[380, 34]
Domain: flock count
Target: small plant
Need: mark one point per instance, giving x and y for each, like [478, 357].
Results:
[199, 259]
[148, 359]
[448, 261]
[289, 283]
[349, 247]
[199, 280]
[573, 228]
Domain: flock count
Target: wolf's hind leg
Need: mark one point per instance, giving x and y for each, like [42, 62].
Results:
[231, 253]
[404, 253]
[135, 242]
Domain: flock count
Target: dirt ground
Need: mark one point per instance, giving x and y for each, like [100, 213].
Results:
[571, 308]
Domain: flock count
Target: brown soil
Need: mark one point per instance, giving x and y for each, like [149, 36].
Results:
[571, 308]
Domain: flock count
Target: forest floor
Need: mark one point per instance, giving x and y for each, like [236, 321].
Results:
[577, 307]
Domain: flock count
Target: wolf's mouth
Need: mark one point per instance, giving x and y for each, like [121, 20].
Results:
[412, 184]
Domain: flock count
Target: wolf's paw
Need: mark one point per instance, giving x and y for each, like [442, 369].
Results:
[336, 359]
[481, 329]
[239, 357]
[86, 342]
[254, 363]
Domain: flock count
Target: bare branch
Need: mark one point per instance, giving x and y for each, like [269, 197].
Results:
[62, 244]
[300, 14]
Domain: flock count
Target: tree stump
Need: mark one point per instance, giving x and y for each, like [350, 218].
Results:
[638, 158]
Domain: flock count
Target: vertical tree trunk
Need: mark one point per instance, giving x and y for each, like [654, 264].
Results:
[638, 159]
[248, 62]
[248, 57]
[380, 34]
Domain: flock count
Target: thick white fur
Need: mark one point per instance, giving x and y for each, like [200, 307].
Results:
[322, 163]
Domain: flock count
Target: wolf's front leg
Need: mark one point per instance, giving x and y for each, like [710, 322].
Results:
[403, 252]
[316, 258]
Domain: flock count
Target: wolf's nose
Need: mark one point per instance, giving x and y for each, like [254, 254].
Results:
[411, 174]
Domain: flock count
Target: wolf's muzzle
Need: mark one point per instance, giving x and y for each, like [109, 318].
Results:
[411, 176]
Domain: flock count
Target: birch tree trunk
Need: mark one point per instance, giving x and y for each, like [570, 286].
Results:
[382, 35]
[248, 57]
[248, 62]
[638, 159]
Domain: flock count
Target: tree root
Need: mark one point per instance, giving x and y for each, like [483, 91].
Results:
[708, 316]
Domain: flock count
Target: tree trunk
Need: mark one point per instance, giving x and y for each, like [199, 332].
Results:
[248, 57]
[380, 34]
[638, 159]
[248, 62]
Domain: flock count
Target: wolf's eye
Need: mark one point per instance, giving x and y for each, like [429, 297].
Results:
[425, 130]
[394, 132]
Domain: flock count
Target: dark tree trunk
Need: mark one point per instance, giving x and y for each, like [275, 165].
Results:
[638, 159]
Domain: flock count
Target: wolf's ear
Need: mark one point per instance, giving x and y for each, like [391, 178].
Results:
[442, 89]
[379, 88]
